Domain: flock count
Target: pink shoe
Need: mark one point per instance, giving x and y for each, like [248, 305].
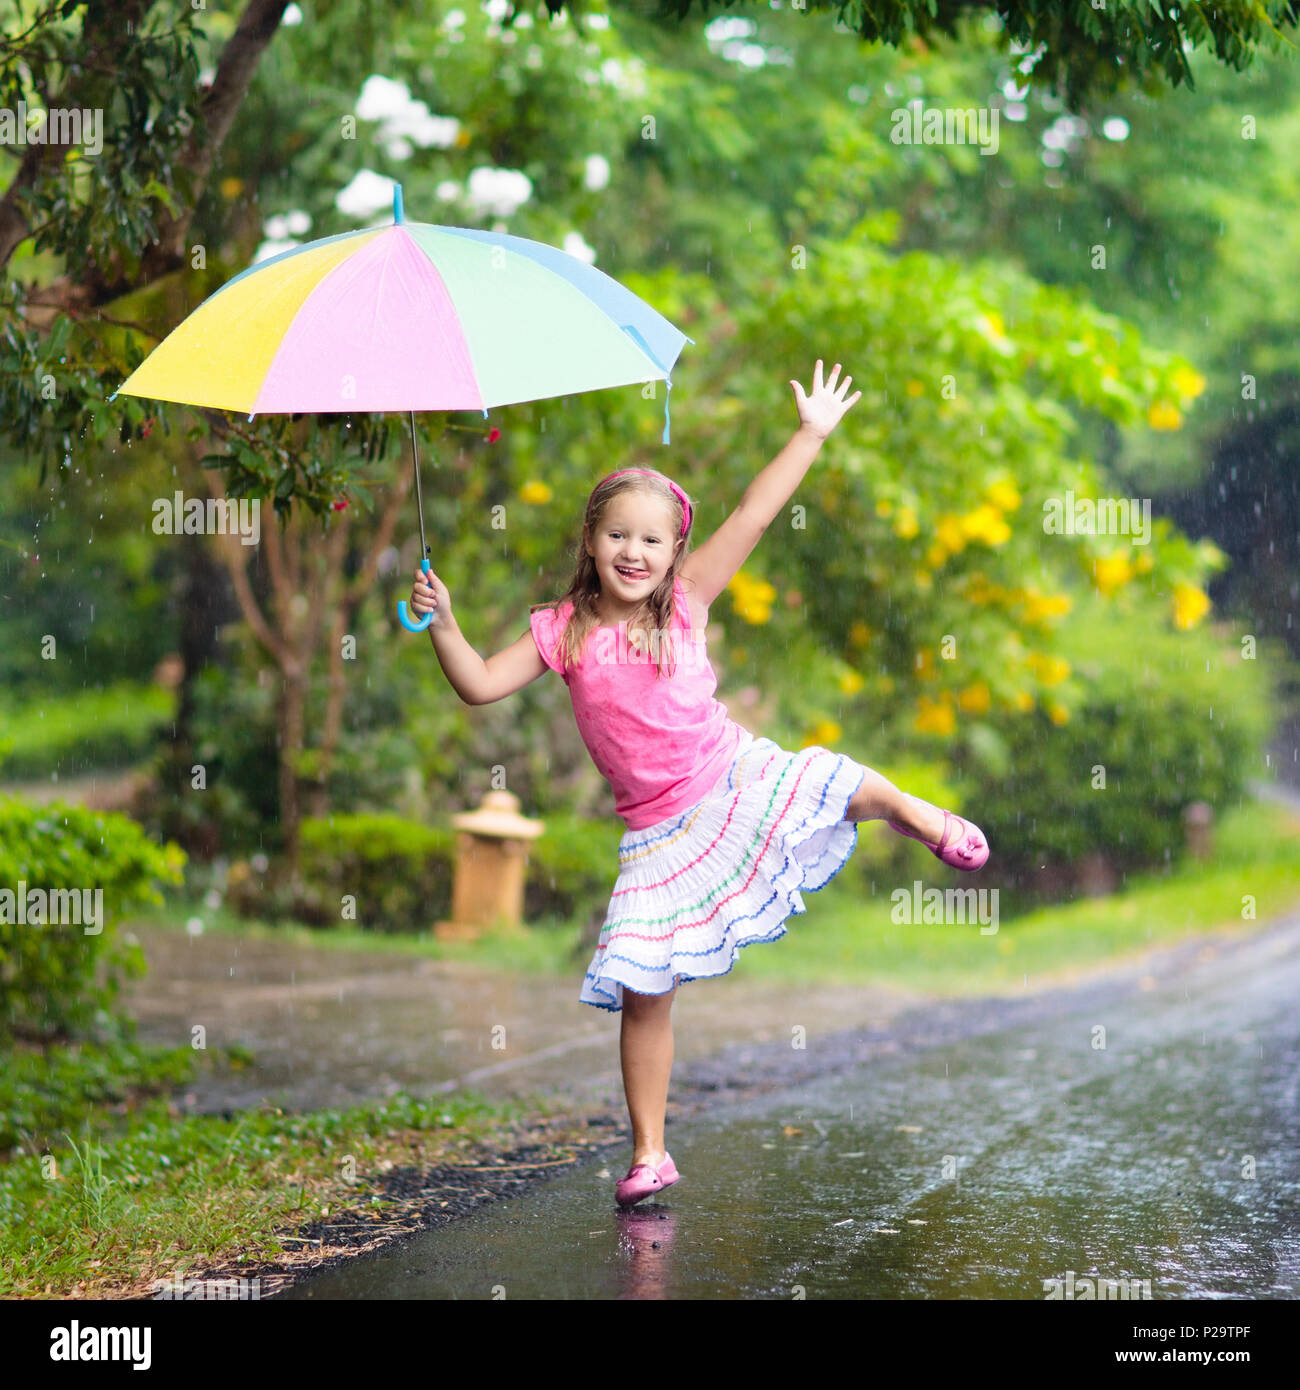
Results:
[969, 849]
[643, 1179]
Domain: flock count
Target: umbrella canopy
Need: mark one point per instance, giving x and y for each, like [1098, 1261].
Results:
[410, 317]
[414, 316]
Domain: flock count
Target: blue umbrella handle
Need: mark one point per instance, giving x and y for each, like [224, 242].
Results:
[401, 607]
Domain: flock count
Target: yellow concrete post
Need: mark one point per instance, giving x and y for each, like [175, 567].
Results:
[492, 854]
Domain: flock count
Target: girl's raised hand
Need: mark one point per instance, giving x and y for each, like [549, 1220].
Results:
[823, 409]
[430, 596]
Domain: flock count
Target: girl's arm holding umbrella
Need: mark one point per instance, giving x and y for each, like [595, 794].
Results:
[477, 681]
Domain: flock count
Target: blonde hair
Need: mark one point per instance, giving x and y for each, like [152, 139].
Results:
[584, 587]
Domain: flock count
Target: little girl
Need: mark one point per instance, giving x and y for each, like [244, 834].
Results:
[723, 828]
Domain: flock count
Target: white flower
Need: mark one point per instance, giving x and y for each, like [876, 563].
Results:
[272, 248]
[597, 172]
[366, 194]
[578, 248]
[498, 191]
[381, 96]
[405, 121]
[283, 225]
[728, 28]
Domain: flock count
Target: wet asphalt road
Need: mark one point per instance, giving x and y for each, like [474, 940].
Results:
[972, 1150]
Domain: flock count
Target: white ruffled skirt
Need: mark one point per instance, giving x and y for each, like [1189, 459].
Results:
[695, 888]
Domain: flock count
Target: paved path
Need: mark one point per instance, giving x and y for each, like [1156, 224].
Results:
[979, 1151]
[332, 1028]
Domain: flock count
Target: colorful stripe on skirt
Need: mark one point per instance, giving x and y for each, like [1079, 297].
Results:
[695, 888]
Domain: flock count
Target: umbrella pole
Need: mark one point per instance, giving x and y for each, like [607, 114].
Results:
[419, 501]
[424, 622]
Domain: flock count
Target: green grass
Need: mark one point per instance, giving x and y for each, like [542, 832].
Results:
[542, 947]
[851, 939]
[91, 730]
[847, 936]
[46, 1090]
[131, 1199]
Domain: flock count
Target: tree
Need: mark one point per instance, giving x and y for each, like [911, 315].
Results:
[1077, 47]
[103, 263]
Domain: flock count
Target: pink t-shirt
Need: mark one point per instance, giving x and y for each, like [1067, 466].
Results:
[661, 741]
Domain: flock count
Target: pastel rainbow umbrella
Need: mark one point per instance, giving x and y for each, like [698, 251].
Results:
[414, 316]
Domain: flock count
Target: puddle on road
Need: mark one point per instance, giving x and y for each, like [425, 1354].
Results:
[978, 1169]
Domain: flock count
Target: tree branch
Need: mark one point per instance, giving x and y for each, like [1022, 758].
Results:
[235, 555]
[235, 70]
[364, 580]
[14, 226]
[239, 60]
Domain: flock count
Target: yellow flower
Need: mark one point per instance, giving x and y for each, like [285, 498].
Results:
[1055, 671]
[993, 330]
[1164, 415]
[934, 716]
[1112, 571]
[851, 682]
[905, 524]
[1040, 606]
[936, 555]
[1143, 562]
[751, 598]
[985, 523]
[1003, 494]
[980, 591]
[925, 664]
[1190, 606]
[751, 611]
[1110, 371]
[975, 699]
[949, 534]
[535, 492]
[1051, 670]
[884, 506]
[924, 579]
[1188, 382]
[859, 634]
[914, 387]
[231, 187]
[823, 733]
[1058, 714]
[1023, 700]
[747, 587]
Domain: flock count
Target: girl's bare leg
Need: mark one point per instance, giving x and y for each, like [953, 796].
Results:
[646, 1050]
[879, 799]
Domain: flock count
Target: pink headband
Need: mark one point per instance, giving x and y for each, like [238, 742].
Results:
[686, 506]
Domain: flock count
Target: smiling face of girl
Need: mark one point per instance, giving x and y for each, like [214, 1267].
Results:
[633, 548]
